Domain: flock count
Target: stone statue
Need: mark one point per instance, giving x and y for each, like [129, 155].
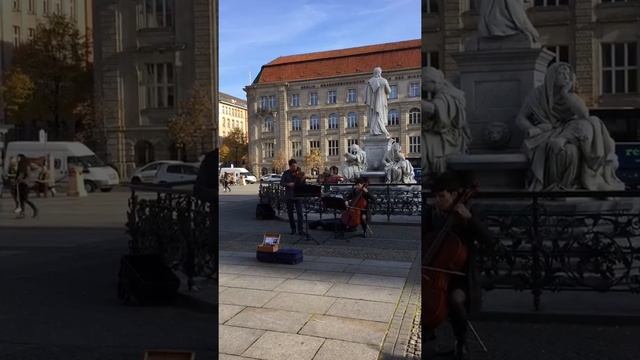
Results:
[355, 163]
[397, 169]
[567, 148]
[376, 95]
[499, 18]
[445, 130]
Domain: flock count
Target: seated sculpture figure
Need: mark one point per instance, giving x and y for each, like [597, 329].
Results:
[355, 163]
[397, 168]
[567, 148]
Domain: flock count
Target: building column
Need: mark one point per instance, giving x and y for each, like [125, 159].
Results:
[585, 51]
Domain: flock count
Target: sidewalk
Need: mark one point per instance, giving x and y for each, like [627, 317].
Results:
[324, 308]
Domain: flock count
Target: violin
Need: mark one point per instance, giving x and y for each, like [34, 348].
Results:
[351, 218]
[446, 255]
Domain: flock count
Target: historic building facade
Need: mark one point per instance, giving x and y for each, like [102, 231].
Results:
[312, 101]
[599, 38]
[232, 113]
[149, 56]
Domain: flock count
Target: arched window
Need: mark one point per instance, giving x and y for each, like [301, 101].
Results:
[296, 124]
[264, 171]
[314, 123]
[334, 170]
[414, 116]
[352, 120]
[144, 152]
[333, 121]
[393, 117]
[267, 126]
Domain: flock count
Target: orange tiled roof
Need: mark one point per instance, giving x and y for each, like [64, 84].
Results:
[390, 56]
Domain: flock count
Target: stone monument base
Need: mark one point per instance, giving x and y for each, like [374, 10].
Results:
[374, 177]
[499, 172]
[376, 148]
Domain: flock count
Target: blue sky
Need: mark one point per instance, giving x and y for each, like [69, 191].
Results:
[254, 32]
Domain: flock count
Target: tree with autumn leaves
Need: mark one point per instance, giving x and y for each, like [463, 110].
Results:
[49, 80]
[234, 147]
[191, 129]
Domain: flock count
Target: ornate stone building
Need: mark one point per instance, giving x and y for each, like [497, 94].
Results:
[316, 101]
[149, 55]
[599, 38]
[232, 113]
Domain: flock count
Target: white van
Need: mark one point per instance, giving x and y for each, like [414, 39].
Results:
[97, 175]
[249, 177]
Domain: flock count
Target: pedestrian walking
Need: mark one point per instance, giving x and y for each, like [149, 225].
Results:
[22, 187]
[227, 179]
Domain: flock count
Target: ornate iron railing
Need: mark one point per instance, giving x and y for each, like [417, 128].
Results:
[175, 224]
[388, 199]
[555, 241]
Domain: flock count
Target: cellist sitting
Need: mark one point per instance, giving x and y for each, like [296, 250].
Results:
[462, 289]
[360, 189]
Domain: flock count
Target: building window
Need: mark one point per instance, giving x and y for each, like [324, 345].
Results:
[430, 6]
[314, 144]
[58, 7]
[16, 36]
[331, 97]
[45, 7]
[619, 68]
[352, 120]
[313, 99]
[396, 140]
[31, 6]
[16, 5]
[561, 53]
[295, 100]
[296, 149]
[296, 124]
[352, 95]
[273, 104]
[431, 58]
[414, 144]
[414, 89]
[333, 121]
[314, 123]
[264, 103]
[333, 147]
[394, 92]
[268, 150]
[32, 33]
[159, 86]
[72, 9]
[414, 116]
[351, 142]
[393, 117]
[550, 2]
[155, 14]
[267, 125]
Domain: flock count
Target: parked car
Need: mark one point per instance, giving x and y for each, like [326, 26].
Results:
[271, 178]
[173, 173]
[147, 173]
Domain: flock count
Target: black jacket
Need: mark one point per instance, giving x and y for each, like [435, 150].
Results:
[206, 187]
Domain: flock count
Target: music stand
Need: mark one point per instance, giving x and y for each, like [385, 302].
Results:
[304, 192]
[336, 204]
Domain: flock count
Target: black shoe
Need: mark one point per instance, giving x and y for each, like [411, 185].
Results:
[461, 351]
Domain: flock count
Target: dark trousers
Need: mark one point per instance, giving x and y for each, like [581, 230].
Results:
[458, 311]
[23, 197]
[298, 205]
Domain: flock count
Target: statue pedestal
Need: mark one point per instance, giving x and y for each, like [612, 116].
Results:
[496, 80]
[374, 177]
[376, 148]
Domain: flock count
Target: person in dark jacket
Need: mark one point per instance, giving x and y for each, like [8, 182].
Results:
[206, 186]
[463, 290]
[22, 186]
[290, 179]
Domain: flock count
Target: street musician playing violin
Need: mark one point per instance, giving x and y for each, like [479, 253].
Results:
[462, 291]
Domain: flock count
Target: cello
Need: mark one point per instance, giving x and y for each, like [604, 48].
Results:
[446, 255]
[351, 218]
